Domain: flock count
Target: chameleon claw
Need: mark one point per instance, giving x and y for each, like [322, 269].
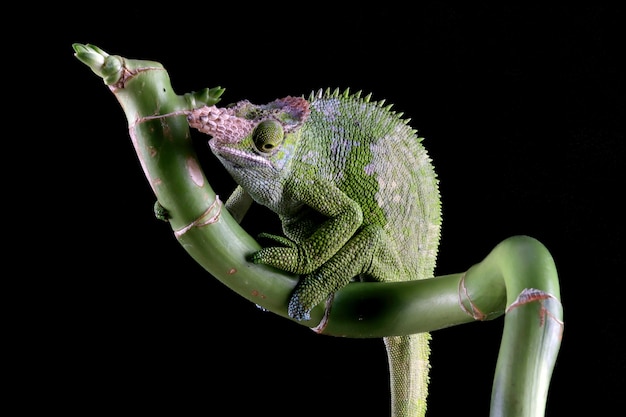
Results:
[161, 212]
[277, 239]
[287, 259]
[297, 311]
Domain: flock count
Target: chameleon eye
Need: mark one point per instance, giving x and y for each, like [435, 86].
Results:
[268, 135]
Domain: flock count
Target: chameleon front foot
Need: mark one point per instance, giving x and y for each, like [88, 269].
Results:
[293, 259]
[277, 239]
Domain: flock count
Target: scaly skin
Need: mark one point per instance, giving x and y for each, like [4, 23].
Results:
[357, 196]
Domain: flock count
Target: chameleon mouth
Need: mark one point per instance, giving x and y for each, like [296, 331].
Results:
[236, 156]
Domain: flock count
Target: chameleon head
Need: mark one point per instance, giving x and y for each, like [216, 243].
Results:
[246, 135]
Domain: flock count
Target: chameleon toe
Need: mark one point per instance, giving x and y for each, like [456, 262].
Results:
[296, 310]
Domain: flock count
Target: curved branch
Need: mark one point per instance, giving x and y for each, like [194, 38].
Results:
[518, 277]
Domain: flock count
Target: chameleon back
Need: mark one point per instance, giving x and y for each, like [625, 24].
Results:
[377, 159]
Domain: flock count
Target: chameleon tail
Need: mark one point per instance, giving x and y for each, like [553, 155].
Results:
[408, 372]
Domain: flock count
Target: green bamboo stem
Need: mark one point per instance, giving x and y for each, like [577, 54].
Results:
[518, 277]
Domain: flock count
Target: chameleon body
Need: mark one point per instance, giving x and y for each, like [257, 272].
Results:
[357, 196]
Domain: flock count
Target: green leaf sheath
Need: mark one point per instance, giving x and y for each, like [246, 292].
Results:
[518, 278]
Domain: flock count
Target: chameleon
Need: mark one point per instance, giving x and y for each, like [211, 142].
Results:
[357, 197]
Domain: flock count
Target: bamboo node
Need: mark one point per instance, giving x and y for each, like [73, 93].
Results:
[475, 312]
[204, 219]
[319, 329]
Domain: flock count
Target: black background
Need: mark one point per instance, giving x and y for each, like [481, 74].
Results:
[522, 109]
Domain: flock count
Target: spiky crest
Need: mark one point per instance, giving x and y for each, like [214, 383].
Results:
[337, 93]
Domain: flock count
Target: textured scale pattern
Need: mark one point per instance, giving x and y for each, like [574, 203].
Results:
[399, 174]
[357, 196]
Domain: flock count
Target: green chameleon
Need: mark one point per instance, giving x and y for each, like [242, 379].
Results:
[357, 197]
